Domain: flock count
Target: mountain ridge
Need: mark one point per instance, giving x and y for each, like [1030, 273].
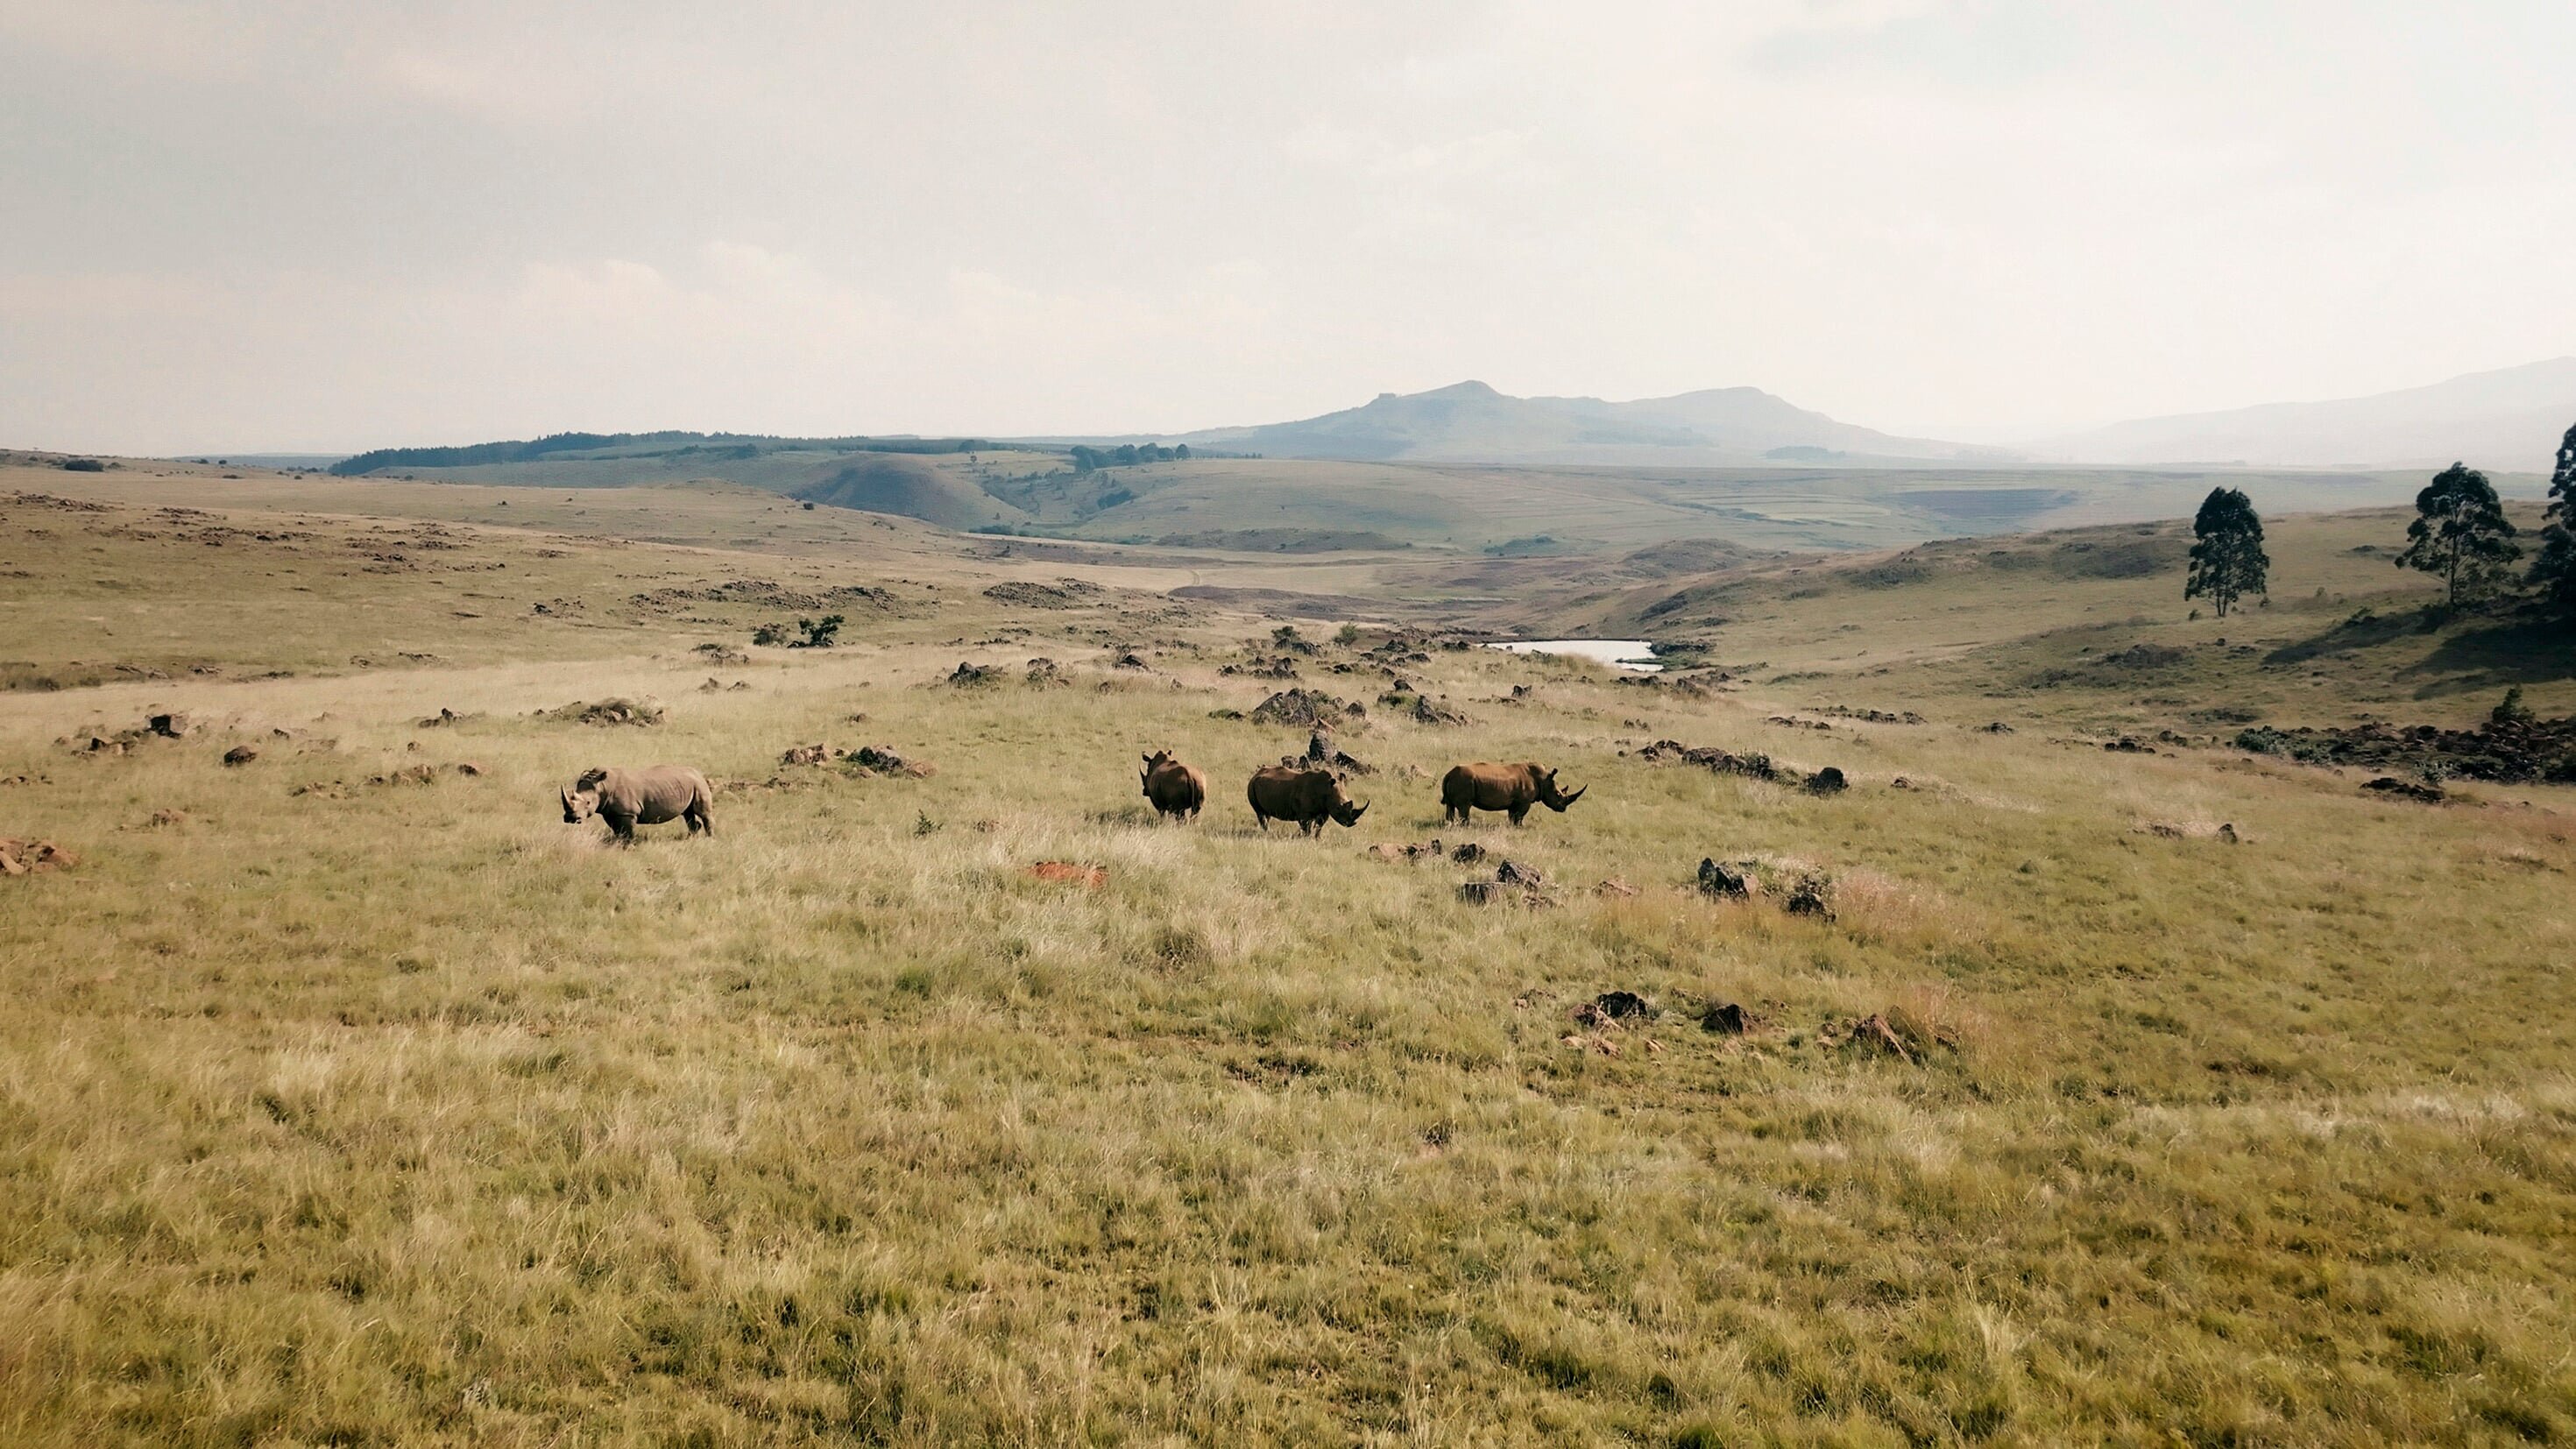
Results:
[2508, 418]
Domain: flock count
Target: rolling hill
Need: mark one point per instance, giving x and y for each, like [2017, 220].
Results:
[2511, 418]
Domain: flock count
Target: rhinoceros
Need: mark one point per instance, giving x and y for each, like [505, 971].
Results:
[1512, 789]
[628, 798]
[1308, 797]
[1175, 788]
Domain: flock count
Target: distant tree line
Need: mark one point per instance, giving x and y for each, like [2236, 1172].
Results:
[1087, 459]
[739, 445]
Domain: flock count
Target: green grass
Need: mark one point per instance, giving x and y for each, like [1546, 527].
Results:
[405, 1113]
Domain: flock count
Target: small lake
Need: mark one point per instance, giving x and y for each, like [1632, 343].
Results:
[1630, 654]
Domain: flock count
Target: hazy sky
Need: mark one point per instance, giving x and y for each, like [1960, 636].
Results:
[304, 224]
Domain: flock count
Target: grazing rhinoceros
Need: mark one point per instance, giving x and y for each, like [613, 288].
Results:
[628, 798]
[1175, 788]
[1308, 797]
[1512, 789]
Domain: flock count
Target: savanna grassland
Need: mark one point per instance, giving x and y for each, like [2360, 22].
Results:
[347, 1097]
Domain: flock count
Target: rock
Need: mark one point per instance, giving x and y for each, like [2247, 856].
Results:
[1998, 727]
[1811, 896]
[1873, 1034]
[2227, 833]
[1509, 873]
[1624, 1006]
[467, 768]
[1044, 674]
[1726, 1019]
[1322, 753]
[878, 757]
[1130, 661]
[610, 712]
[2428, 793]
[2128, 745]
[163, 819]
[1483, 892]
[1717, 880]
[1468, 854]
[1307, 707]
[1827, 781]
[968, 676]
[445, 716]
[1425, 712]
[1900, 783]
[1614, 887]
[1389, 851]
[1067, 872]
[240, 755]
[813, 754]
[168, 726]
[34, 857]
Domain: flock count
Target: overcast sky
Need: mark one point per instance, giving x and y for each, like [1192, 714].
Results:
[300, 224]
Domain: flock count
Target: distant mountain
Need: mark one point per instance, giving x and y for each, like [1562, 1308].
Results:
[2510, 419]
[1471, 422]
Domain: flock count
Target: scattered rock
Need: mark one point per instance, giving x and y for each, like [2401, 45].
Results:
[1044, 674]
[1827, 781]
[1425, 712]
[2129, 745]
[1873, 1034]
[609, 712]
[164, 819]
[1724, 762]
[1998, 727]
[1623, 1006]
[1509, 873]
[1614, 887]
[1813, 895]
[468, 768]
[444, 717]
[1130, 661]
[2511, 747]
[1306, 707]
[168, 726]
[814, 754]
[1483, 892]
[407, 775]
[1900, 783]
[969, 676]
[2227, 833]
[240, 755]
[1793, 722]
[1726, 1019]
[1069, 873]
[1467, 854]
[1722, 882]
[1323, 753]
[34, 857]
[2427, 792]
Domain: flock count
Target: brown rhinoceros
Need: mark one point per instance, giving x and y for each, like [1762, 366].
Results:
[1512, 789]
[628, 798]
[1175, 788]
[1308, 797]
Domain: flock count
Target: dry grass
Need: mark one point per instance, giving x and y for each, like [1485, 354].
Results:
[405, 1113]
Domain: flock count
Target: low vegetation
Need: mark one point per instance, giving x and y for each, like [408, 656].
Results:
[2029, 1092]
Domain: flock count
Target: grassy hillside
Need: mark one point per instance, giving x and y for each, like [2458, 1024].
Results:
[352, 1098]
[1253, 504]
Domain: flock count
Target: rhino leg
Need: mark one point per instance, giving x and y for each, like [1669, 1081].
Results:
[1518, 813]
[621, 828]
[699, 818]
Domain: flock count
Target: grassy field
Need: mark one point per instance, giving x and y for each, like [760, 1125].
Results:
[348, 1098]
